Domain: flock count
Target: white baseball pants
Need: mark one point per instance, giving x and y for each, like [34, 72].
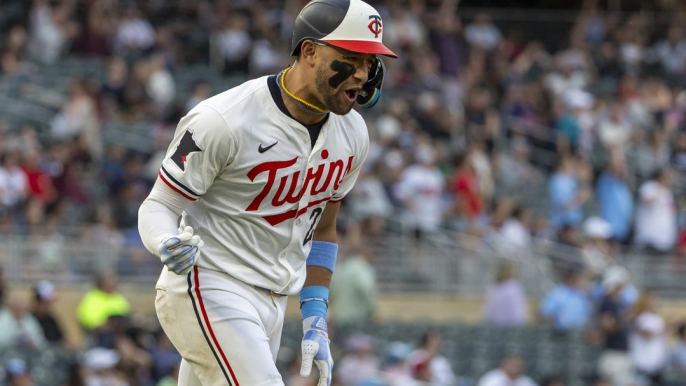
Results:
[227, 332]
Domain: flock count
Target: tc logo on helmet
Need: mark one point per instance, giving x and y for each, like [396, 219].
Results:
[375, 25]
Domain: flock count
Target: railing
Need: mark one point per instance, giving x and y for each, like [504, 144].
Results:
[445, 262]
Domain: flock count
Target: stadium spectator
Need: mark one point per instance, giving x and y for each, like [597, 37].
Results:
[514, 167]
[372, 204]
[516, 230]
[677, 356]
[420, 190]
[101, 302]
[505, 303]
[483, 34]
[429, 364]
[566, 196]
[613, 318]
[395, 369]
[671, 53]
[135, 35]
[44, 297]
[647, 343]
[13, 180]
[100, 368]
[12, 59]
[78, 118]
[199, 92]
[235, 44]
[18, 328]
[354, 293]
[597, 251]
[165, 359]
[656, 214]
[652, 156]
[510, 372]
[567, 305]
[160, 85]
[614, 130]
[469, 203]
[359, 364]
[17, 373]
[51, 30]
[615, 199]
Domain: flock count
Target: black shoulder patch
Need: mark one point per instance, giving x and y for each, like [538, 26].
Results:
[185, 147]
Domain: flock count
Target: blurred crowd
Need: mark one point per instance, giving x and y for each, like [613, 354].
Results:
[493, 131]
[481, 130]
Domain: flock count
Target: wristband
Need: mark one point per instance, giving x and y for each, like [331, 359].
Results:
[314, 301]
[323, 254]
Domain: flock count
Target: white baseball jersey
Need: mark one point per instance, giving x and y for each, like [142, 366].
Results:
[258, 186]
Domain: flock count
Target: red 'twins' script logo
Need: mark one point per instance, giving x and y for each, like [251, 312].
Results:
[313, 181]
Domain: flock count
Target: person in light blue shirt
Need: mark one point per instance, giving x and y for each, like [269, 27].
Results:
[566, 198]
[615, 199]
[567, 305]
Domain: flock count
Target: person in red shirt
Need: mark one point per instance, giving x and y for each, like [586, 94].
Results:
[465, 188]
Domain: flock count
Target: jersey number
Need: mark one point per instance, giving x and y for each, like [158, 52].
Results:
[313, 217]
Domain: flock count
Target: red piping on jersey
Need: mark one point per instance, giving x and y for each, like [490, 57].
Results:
[175, 188]
[209, 326]
[294, 213]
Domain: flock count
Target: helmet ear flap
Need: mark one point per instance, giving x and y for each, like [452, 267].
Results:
[371, 90]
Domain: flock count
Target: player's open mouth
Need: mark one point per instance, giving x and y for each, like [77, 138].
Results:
[351, 95]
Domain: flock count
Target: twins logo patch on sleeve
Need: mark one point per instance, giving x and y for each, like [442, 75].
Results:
[186, 146]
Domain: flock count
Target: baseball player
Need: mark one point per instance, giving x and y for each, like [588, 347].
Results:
[243, 212]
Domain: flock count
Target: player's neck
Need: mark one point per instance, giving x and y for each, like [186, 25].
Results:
[296, 84]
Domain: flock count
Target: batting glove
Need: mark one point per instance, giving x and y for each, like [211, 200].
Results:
[315, 347]
[179, 253]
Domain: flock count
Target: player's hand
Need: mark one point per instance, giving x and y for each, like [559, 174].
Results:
[179, 253]
[315, 348]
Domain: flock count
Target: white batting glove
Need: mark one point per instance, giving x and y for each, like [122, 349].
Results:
[180, 253]
[315, 347]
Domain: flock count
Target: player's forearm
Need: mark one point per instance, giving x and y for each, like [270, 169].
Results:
[158, 216]
[319, 276]
[156, 222]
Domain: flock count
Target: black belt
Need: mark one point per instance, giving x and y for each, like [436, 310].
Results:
[268, 290]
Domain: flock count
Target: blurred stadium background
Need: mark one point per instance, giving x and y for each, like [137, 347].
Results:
[522, 209]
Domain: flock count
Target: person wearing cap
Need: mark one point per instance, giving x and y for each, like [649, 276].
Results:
[596, 252]
[647, 341]
[44, 296]
[100, 368]
[567, 305]
[420, 190]
[18, 373]
[243, 213]
[613, 320]
[360, 363]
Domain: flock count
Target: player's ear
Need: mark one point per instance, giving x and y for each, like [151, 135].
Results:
[308, 52]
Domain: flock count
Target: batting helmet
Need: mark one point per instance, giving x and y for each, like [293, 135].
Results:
[352, 25]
